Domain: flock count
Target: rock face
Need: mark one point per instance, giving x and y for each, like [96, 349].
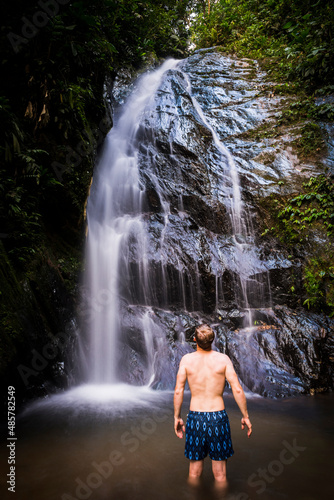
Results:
[287, 353]
[189, 184]
[284, 354]
[189, 141]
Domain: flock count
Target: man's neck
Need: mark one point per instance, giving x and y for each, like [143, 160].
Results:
[199, 349]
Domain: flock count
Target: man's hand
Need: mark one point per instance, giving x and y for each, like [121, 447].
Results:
[179, 427]
[246, 422]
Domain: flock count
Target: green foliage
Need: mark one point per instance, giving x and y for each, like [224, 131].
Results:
[53, 97]
[306, 108]
[11, 130]
[319, 282]
[311, 140]
[294, 38]
[306, 223]
[314, 206]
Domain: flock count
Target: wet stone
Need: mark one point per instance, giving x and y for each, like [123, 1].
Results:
[200, 266]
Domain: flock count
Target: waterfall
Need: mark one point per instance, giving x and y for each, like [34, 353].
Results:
[242, 232]
[115, 228]
[120, 268]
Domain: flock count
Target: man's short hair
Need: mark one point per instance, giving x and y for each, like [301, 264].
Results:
[204, 336]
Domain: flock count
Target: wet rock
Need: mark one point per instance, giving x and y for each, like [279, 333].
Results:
[187, 183]
[285, 356]
[199, 267]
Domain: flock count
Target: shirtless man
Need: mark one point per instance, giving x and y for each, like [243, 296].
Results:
[207, 429]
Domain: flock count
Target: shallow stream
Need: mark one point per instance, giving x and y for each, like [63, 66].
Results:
[117, 442]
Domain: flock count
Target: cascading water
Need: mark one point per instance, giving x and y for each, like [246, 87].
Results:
[115, 228]
[122, 266]
[242, 233]
[167, 230]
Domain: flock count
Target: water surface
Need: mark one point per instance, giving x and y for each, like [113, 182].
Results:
[117, 442]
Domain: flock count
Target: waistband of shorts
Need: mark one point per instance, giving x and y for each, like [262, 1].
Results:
[206, 413]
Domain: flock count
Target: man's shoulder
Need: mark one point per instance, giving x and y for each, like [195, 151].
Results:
[218, 355]
[187, 356]
[221, 356]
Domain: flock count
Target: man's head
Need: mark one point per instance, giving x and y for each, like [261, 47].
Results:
[204, 336]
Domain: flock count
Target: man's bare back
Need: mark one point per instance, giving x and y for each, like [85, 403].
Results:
[207, 372]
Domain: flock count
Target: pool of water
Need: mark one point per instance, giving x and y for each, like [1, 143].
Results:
[106, 443]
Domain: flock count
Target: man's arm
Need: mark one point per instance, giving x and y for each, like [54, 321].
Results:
[178, 399]
[238, 395]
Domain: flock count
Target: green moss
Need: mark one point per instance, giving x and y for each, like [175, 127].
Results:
[311, 141]
[304, 224]
[319, 281]
[305, 108]
[266, 130]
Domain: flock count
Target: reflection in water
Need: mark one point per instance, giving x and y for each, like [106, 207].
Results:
[102, 445]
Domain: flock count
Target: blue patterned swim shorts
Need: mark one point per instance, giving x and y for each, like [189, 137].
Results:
[208, 432]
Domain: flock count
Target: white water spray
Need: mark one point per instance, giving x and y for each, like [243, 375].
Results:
[245, 257]
[117, 246]
[114, 216]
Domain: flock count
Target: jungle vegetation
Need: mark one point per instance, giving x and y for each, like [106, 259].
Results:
[56, 58]
[58, 55]
[294, 42]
